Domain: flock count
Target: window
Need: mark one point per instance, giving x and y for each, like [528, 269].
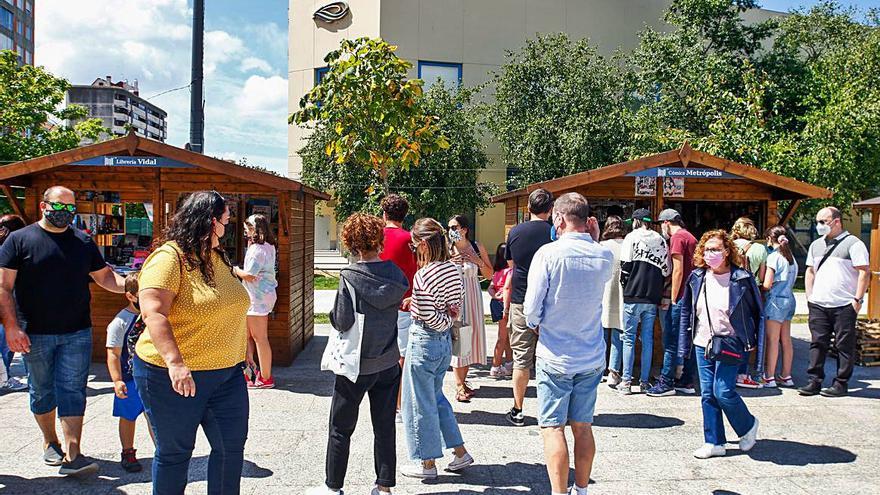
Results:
[5, 42]
[6, 19]
[19, 27]
[430, 72]
[28, 57]
[29, 7]
[319, 74]
[28, 33]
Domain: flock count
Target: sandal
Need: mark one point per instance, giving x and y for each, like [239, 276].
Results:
[461, 394]
[469, 390]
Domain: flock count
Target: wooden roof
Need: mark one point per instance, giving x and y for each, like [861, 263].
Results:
[132, 145]
[683, 157]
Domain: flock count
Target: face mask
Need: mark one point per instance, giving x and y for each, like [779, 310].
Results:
[714, 259]
[553, 235]
[137, 305]
[58, 219]
[665, 230]
[454, 235]
[823, 229]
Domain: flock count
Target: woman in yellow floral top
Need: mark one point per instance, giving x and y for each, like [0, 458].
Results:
[189, 359]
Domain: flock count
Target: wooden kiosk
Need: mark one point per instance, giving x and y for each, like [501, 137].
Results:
[709, 192]
[127, 189]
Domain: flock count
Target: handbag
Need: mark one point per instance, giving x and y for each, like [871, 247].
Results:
[342, 355]
[722, 349]
[462, 333]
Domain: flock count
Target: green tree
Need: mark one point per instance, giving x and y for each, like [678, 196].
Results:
[372, 109]
[31, 120]
[560, 108]
[446, 182]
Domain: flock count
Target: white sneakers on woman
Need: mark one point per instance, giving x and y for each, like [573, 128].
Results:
[748, 440]
[460, 463]
[418, 469]
[708, 450]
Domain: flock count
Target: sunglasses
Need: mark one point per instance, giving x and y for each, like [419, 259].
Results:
[413, 247]
[61, 206]
[454, 227]
[823, 222]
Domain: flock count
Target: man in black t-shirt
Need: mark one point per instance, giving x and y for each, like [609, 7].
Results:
[522, 243]
[49, 265]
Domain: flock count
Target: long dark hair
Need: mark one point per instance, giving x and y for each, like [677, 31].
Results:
[777, 235]
[191, 228]
[8, 225]
[615, 228]
[500, 261]
[463, 223]
[262, 231]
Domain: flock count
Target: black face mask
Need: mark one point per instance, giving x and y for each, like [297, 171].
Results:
[59, 219]
[137, 305]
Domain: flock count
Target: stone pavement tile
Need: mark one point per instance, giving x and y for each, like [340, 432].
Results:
[732, 486]
[833, 485]
[653, 466]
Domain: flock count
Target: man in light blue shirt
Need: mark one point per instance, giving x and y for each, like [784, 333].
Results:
[563, 304]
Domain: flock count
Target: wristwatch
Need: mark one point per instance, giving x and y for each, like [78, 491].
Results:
[860, 300]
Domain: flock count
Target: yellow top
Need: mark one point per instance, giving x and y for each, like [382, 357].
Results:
[208, 323]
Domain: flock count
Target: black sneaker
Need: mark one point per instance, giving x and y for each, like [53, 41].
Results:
[685, 388]
[130, 462]
[53, 456]
[811, 388]
[79, 466]
[515, 417]
[835, 390]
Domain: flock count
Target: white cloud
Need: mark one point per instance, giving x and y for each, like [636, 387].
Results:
[245, 113]
[263, 96]
[255, 63]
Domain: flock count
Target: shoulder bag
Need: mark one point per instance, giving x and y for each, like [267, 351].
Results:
[722, 349]
[342, 355]
[462, 332]
[829, 251]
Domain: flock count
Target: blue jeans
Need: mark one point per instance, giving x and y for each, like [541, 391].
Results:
[632, 315]
[670, 321]
[220, 406]
[5, 354]
[427, 416]
[718, 391]
[58, 372]
[615, 357]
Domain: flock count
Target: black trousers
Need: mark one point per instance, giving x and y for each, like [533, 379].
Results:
[382, 388]
[841, 323]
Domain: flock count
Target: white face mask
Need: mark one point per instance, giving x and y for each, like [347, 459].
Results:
[823, 229]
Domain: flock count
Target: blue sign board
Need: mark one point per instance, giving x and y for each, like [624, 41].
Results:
[132, 161]
[685, 172]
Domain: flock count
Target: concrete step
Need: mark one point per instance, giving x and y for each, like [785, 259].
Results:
[330, 260]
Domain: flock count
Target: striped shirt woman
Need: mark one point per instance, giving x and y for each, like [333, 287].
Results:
[437, 294]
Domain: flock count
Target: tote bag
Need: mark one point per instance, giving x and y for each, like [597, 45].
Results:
[462, 333]
[342, 355]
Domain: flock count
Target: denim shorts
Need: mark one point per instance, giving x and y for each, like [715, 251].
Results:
[130, 407]
[566, 398]
[780, 308]
[496, 307]
[58, 372]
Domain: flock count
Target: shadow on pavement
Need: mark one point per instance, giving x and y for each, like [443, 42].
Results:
[491, 392]
[112, 477]
[485, 418]
[636, 420]
[788, 453]
[514, 474]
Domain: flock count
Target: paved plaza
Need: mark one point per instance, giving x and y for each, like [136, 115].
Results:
[807, 444]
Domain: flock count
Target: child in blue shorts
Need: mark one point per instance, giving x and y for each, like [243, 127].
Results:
[122, 334]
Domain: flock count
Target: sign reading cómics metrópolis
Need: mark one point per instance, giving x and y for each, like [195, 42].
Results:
[684, 173]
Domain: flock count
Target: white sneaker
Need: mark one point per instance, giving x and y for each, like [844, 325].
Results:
[376, 491]
[418, 470]
[708, 450]
[323, 490]
[577, 491]
[497, 372]
[460, 463]
[748, 440]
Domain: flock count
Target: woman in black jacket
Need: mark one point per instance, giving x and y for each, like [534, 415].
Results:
[721, 300]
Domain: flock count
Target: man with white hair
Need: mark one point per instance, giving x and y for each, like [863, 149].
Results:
[836, 281]
[566, 283]
[48, 265]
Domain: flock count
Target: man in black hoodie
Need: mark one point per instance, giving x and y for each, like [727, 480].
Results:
[379, 287]
[644, 266]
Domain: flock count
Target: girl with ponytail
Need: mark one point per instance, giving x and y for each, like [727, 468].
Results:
[779, 278]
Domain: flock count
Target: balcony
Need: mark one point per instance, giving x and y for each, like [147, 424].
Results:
[120, 109]
[139, 112]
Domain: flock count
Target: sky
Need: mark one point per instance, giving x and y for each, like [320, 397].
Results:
[245, 64]
[786, 5]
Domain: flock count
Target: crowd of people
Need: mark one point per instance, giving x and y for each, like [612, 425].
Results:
[193, 336]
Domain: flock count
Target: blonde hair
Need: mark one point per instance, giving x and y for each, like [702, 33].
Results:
[733, 256]
[744, 228]
[431, 232]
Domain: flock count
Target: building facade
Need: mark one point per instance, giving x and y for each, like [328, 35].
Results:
[462, 41]
[119, 106]
[17, 28]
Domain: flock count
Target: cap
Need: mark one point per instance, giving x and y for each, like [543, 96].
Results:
[669, 215]
[641, 214]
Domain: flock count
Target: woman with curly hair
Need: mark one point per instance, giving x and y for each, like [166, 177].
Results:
[378, 287]
[189, 362]
[721, 299]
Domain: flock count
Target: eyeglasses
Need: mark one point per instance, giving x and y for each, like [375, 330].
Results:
[713, 251]
[823, 222]
[61, 206]
[454, 227]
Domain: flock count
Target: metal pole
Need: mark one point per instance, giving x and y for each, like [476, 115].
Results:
[196, 102]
